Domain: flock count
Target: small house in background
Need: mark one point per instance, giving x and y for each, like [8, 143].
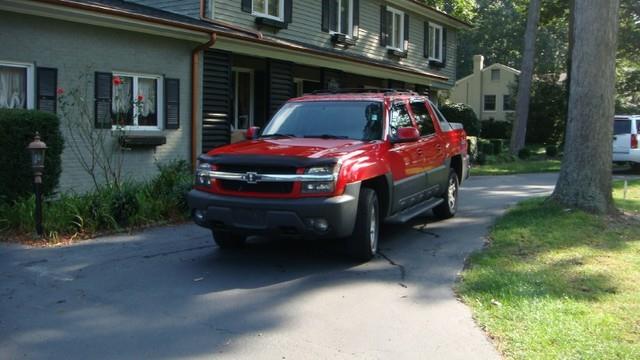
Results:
[488, 90]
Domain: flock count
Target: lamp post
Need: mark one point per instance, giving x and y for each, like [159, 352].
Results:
[37, 149]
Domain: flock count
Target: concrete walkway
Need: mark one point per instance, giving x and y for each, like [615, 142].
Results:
[169, 293]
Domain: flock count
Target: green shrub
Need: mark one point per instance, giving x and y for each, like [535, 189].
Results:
[498, 145]
[17, 129]
[472, 147]
[482, 159]
[107, 209]
[464, 114]
[547, 112]
[492, 129]
[524, 153]
[551, 150]
[486, 147]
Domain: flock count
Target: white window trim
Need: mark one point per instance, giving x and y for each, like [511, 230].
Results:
[349, 32]
[492, 72]
[31, 84]
[265, 14]
[432, 41]
[393, 28]
[484, 103]
[235, 96]
[159, 101]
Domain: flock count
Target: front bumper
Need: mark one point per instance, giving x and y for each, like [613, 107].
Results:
[254, 216]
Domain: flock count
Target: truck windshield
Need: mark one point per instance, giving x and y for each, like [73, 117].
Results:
[358, 120]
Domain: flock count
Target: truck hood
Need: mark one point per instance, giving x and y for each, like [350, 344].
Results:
[302, 147]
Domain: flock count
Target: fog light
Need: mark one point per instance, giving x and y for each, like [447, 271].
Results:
[318, 224]
[199, 215]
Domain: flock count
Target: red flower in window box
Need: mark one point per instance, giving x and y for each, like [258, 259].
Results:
[117, 81]
[140, 98]
[59, 91]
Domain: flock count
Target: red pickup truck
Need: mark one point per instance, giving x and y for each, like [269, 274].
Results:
[333, 165]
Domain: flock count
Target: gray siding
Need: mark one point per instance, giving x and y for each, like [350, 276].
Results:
[75, 49]
[184, 7]
[306, 28]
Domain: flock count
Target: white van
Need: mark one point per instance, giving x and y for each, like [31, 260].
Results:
[625, 140]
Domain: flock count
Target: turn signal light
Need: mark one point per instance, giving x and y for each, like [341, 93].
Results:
[634, 141]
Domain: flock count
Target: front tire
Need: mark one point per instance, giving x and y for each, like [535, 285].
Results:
[447, 209]
[227, 240]
[363, 243]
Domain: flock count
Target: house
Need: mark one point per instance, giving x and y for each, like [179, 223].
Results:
[207, 69]
[488, 90]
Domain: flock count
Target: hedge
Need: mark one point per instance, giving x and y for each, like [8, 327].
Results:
[492, 129]
[17, 129]
[464, 114]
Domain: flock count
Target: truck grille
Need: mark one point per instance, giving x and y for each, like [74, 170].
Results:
[260, 187]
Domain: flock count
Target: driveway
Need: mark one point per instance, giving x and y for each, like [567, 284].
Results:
[170, 293]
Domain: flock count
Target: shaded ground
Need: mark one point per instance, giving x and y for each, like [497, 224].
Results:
[169, 292]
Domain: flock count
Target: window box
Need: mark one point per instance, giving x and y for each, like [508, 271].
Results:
[342, 39]
[270, 22]
[436, 64]
[397, 53]
[142, 140]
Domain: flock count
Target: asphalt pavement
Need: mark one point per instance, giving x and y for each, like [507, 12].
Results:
[169, 292]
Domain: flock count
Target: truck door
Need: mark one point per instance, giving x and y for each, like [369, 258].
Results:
[407, 164]
[432, 144]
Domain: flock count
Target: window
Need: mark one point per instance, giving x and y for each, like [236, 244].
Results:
[621, 127]
[341, 17]
[273, 9]
[399, 118]
[435, 42]
[16, 86]
[135, 100]
[395, 27]
[489, 103]
[444, 124]
[423, 119]
[507, 103]
[242, 99]
[495, 74]
[304, 86]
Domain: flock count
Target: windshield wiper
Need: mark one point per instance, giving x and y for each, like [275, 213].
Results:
[327, 136]
[276, 135]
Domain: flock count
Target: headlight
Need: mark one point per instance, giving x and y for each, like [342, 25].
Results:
[202, 175]
[320, 170]
[320, 186]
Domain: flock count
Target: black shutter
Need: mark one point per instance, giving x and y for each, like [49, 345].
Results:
[356, 18]
[259, 98]
[171, 103]
[216, 99]
[405, 46]
[325, 15]
[426, 39]
[280, 84]
[102, 110]
[47, 79]
[444, 47]
[384, 32]
[246, 6]
[288, 10]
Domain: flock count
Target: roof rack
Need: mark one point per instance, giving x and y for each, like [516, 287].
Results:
[386, 91]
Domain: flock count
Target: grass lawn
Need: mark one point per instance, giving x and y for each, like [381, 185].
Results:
[560, 284]
[517, 167]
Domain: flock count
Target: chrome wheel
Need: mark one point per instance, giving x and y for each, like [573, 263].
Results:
[373, 230]
[452, 193]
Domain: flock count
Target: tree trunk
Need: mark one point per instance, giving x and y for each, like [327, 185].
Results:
[585, 176]
[519, 131]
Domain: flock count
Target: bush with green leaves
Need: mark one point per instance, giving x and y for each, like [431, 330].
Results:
[472, 147]
[109, 208]
[17, 129]
[524, 153]
[498, 145]
[547, 112]
[464, 114]
[492, 129]
[551, 150]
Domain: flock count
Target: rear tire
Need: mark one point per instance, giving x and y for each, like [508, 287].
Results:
[447, 209]
[227, 240]
[635, 167]
[363, 243]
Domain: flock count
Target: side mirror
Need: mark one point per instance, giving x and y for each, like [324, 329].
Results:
[252, 133]
[406, 134]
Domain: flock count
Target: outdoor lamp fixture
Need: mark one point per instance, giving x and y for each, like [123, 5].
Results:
[37, 149]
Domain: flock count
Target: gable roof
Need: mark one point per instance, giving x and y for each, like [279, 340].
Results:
[492, 66]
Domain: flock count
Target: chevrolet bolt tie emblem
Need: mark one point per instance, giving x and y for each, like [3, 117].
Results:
[251, 177]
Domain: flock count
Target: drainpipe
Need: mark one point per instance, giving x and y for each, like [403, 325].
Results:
[195, 93]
